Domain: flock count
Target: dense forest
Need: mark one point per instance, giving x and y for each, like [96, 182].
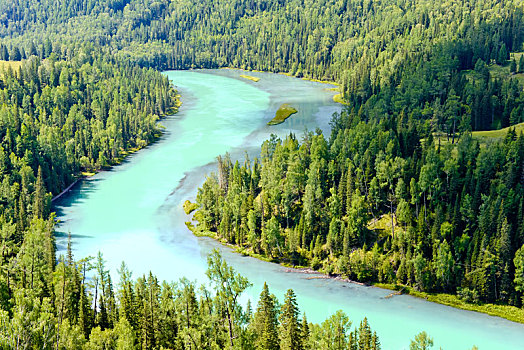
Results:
[452, 214]
[391, 56]
[62, 117]
[417, 77]
[57, 119]
[65, 310]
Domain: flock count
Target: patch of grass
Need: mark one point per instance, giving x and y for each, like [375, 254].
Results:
[249, 77]
[321, 81]
[189, 207]
[339, 98]
[284, 112]
[499, 72]
[480, 135]
[383, 224]
[498, 133]
[508, 312]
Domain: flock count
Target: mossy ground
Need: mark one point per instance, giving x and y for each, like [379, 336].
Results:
[284, 112]
[498, 133]
[249, 77]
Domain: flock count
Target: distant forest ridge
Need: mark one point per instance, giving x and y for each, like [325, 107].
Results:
[391, 57]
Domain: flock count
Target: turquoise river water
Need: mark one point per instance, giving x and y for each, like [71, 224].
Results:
[133, 212]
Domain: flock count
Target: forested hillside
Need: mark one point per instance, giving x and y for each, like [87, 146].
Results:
[57, 119]
[391, 57]
[417, 78]
[456, 209]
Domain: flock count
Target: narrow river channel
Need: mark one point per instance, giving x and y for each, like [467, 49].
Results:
[133, 212]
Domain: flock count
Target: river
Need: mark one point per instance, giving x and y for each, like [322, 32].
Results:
[133, 212]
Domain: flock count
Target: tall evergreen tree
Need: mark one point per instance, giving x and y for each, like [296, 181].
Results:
[265, 322]
[290, 332]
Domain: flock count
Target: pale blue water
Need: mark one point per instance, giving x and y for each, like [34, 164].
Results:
[133, 213]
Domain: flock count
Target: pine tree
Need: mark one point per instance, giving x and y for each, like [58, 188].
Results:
[290, 332]
[39, 202]
[364, 335]
[127, 297]
[503, 54]
[375, 342]
[304, 330]
[84, 313]
[265, 322]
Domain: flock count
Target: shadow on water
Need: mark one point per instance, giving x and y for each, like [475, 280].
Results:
[62, 236]
[77, 194]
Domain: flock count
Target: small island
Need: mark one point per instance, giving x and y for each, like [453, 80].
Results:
[284, 112]
[249, 77]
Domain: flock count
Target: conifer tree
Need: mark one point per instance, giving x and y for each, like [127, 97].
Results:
[265, 322]
[290, 332]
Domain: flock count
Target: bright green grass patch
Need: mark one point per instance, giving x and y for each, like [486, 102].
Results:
[284, 112]
[499, 133]
[249, 77]
[339, 98]
[508, 312]
[480, 135]
[383, 225]
[189, 207]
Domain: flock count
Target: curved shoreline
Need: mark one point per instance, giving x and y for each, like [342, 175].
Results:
[124, 153]
[507, 312]
[146, 228]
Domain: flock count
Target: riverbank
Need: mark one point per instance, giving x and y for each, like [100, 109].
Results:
[58, 196]
[507, 312]
[123, 154]
[338, 98]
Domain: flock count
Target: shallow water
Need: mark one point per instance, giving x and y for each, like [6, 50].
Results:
[133, 213]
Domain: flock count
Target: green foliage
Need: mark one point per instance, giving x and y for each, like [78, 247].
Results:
[290, 324]
[265, 321]
[457, 224]
[189, 207]
[519, 270]
[421, 342]
[285, 111]
[151, 315]
[229, 286]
